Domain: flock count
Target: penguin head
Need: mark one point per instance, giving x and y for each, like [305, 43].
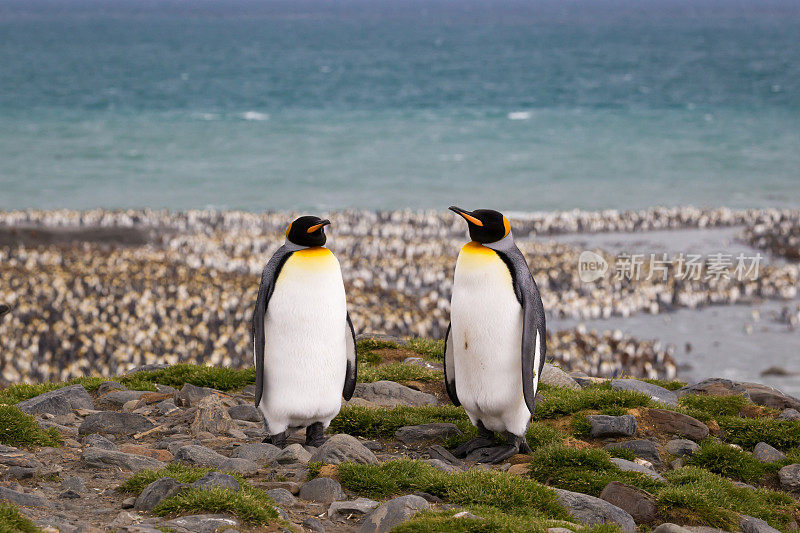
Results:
[307, 231]
[485, 225]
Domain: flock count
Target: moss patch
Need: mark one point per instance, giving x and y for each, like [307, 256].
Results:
[23, 391]
[372, 423]
[748, 432]
[728, 461]
[12, 521]
[398, 372]
[366, 345]
[250, 505]
[669, 385]
[491, 521]
[428, 348]
[20, 429]
[560, 402]
[220, 378]
[706, 408]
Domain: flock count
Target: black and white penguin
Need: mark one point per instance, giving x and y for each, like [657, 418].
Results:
[495, 344]
[303, 340]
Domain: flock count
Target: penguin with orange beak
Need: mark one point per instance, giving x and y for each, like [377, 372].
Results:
[304, 346]
[495, 343]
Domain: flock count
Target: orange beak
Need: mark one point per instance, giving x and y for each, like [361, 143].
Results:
[315, 227]
[466, 215]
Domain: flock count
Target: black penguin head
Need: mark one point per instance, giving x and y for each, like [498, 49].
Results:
[307, 231]
[485, 225]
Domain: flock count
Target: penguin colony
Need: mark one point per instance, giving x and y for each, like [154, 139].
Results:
[91, 307]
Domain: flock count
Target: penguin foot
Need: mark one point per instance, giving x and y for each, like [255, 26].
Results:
[484, 439]
[493, 455]
[278, 439]
[314, 435]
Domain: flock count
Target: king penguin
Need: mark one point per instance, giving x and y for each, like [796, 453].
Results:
[495, 343]
[303, 340]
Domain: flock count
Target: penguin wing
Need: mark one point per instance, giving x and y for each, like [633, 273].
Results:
[352, 361]
[268, 278]
[449, 375]
[534, 332]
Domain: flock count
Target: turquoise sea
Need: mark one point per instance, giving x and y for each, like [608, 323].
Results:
[318, 104]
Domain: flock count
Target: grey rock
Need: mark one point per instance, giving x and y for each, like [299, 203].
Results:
[100, 458]
[245, 412]
[358, 506]
[282, 497]
[636, 502]
[116, 399]
[74, 483]
[641, 448]
[75, 396]
[109, 386]
[322, 490]
[705, 529]
[391, 394]
[677, 424]
[343, 448]
[202, 523]
[630, 466]
[789, 414]
[670, 528]
[443, 466]
[442, 454]
[681, 447]
[157, 491]
[244, 467]
[767, 454]
[790, 477]
[769, 397]
[750, 524]
[259, 452]
[393, 513]
[69, 494]
[659, 394]
[713, 386]
[312, 524]
[589, 510]
[294, 453]
[98, 441]
[22, 498]
[191, 395]
[193, 454]
[554, 376]
[217, 479]
[165, 407]
[128, 503]
[611, 426]
[212, 417]
[383, 337]
[19, 458]
[114, 423]
[423, 433]
[558, 530]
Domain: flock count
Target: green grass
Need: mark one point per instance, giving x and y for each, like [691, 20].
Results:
[587, 471]
[560, 402]
[728, 461]
[12, 521]
[580, 425]
[215, 377]
[250, 505]
[705, 408]
[505, 492]
[669, 385]
[696, 496]
[367, 345]
[748, 432]
[23, 391]
[621, 453]
[427, 348]
[185, 474]
[491, 521]
[398, 372]
[20, 429]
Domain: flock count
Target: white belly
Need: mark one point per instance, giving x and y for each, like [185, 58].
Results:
[486, 332]
[305, 345]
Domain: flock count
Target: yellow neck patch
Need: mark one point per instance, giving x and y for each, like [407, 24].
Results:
[475, 255]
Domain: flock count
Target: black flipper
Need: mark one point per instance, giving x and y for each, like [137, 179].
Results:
[352, 361]
[268, 278]
[449, 375]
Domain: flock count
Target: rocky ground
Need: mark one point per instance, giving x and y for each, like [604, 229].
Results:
[179, 449]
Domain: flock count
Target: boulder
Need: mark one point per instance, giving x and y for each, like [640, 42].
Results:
[158, 490]
[630, 466]
[358, 506]
[443, 466]
[636, 502]
[23, 499]
[426, 433]
[641, 448]
[259, 452]
[248, 413]
[196, 455]
[343, 448]
[589, 510]
[769, 397]
[677, 424]
[58, 402]
[244, 467]
[114, 423]
[190, 395]
[118, 398]
[322, 490]
[554, 376]
[98, 441]
[681, 447]
[282, 497]
[393, 513]
[670, 528]
[439, 452]
[212, 417]
[217, 479]
[715, 387]
[659, 394]
[750, 524]
[392, 394]
[767, 454]
[789, 414]
[100, 458]
[790, 477]
[109, 386]
[294, 453]
[201, 523]
[611, 426]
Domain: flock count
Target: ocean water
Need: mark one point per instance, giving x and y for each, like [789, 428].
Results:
[320, 104]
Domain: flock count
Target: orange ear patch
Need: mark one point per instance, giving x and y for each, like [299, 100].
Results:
[289, 229]
[506, 225]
